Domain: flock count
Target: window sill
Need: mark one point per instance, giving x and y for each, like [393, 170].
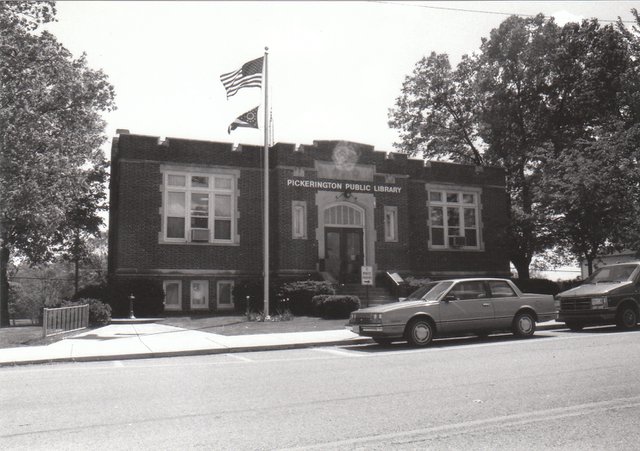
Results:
[191, 243]
[456, 249]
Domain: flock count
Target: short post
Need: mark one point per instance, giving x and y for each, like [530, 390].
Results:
[131, 299]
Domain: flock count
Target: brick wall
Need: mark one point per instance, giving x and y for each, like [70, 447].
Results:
[136, 201]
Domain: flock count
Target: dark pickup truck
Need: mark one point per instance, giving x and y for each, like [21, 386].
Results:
[611, 295]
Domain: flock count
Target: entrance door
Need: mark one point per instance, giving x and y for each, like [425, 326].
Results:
[343, 253]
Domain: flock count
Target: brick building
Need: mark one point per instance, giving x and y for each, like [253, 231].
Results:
[189, 213]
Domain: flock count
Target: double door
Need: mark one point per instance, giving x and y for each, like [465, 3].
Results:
[344, 253]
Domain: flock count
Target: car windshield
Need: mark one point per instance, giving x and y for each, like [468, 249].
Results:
[429, 292]
[614, 273]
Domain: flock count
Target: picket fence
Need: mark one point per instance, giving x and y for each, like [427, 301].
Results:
[64, 319]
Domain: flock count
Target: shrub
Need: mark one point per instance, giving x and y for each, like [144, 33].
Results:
[149, 297]
[316, 303]
[300, 294]
[99, 292]
[540, 286]
[99, 312]
[338, 306]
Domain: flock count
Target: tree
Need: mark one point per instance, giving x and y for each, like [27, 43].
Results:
[532, 91]
[82, 222]
[436, 114]
[590, 192]
[50, 133]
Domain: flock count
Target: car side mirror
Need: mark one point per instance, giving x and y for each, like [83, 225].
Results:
[449, 298]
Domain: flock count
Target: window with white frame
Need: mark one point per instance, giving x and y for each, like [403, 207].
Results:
[299, 219]
[390, 223]
[172, 294]
[199, 208]
[224, 294]
[199, 294]
[453, 218]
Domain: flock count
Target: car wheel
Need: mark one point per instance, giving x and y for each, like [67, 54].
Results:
[574, 326]
[382, 341]
[420, 332]
[627, 318]
[524, 325]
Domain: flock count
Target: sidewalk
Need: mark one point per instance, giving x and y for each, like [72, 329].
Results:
[144, 340]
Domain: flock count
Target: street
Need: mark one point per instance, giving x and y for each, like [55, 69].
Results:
[559, 390]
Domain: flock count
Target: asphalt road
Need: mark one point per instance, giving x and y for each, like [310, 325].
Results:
[558, 390]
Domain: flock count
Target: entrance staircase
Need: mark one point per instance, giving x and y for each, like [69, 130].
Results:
[375, 296]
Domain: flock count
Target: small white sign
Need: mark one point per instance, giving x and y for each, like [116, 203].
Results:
[367, 275]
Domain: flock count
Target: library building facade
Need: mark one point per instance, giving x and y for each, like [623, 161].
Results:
[190, 214]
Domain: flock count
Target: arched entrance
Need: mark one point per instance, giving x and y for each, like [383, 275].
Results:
[343, 240]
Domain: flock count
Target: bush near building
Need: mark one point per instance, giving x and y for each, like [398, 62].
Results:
[301, 293]
[99, 312]
[336, 306]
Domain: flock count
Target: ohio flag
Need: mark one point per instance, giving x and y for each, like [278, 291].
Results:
[248, 119]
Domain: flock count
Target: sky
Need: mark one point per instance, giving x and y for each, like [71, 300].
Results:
[334, 68]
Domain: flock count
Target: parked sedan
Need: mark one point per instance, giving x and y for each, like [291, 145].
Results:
[455, 307]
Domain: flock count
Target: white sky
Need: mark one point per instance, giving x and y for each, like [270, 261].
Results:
[335, 68]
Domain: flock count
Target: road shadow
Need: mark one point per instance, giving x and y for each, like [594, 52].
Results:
[444, 343]
[606, 329]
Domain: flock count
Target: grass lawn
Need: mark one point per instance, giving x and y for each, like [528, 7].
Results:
[23, 335]
[239, 325]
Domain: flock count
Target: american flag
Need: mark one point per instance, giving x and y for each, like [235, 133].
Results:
[248, 76]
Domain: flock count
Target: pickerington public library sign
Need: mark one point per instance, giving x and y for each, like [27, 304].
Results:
[344, 186]
[189, 213]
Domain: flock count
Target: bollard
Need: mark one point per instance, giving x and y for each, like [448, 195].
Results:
[131, 299]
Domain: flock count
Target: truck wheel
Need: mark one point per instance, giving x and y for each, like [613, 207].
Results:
[419, 332]
[574, 326]
[524, 325]
[627, 318]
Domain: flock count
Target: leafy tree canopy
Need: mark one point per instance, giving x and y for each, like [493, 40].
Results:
[532, 96]
[51, 131]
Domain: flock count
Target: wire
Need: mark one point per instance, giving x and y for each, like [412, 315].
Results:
[481, 11]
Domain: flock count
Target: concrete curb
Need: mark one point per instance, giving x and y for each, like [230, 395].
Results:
[189, 352]
[222, 350]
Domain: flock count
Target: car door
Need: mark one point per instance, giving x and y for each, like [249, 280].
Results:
[466, 308]
[505, 302]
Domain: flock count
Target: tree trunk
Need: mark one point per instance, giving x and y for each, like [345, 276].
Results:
[589, 266]
[522, 266]
[76, 262]
[4, 286]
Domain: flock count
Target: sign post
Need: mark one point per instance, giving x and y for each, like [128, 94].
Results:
[366, 276]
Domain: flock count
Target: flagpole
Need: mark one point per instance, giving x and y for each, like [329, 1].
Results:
[266, 185]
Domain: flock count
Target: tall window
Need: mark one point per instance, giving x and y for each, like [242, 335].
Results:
[199, 208]
[453, 219]
[299, 219]
[390, 223]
